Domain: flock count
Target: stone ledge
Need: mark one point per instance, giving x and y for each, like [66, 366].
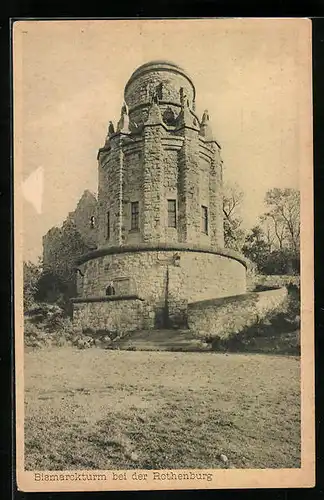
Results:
[146, 247]
[243, 297]
[105, 298]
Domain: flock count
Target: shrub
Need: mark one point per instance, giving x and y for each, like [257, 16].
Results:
[51, 287]
[114, 335]
[31, 275]
[46, 324]
[58, 323]
[34, 336]
[43, 311]
[218, 344]
[84, 342]
[88, 331]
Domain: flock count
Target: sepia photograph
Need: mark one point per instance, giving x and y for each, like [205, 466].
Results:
[163, 254]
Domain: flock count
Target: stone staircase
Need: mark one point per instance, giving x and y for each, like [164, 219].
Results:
[161, 340]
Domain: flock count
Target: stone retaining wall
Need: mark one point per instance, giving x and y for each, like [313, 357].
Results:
[225, 316]
[272, 280]
[164, 278]
[120, 314]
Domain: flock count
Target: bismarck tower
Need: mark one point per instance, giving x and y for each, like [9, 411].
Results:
[160, 219]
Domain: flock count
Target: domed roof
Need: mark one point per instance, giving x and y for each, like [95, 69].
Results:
[159, 65]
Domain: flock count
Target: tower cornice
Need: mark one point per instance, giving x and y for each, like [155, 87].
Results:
[148, 247]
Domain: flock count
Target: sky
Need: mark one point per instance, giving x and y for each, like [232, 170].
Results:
[69, 76]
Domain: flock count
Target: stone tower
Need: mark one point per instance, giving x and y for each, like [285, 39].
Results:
[160, 219]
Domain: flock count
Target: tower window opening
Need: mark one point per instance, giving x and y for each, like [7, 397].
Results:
[108, 226]
[134, 216]
[110, 290]
[172, 213]
[92, 222]
[204, 219]
[159, 91]
[168, 117]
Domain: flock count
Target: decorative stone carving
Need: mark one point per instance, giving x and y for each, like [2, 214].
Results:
[123, 124]
[154, 115]
[205, 117]
[205, 127]
[186, 117]
[145, 115]
[183, 97]
[111, 129]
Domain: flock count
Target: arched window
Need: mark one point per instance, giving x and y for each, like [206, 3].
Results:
[135, 216]
[172, 213]
[110, 290]
[168, 117]
[204, 219]
[108, 226]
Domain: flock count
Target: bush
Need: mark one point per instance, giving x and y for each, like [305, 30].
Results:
[56, 323]
[84, 342]
[218, 344]
[47, 324]
[31, 274]
[51, 287]
[280, 262]
[35, 337]
[58, 330]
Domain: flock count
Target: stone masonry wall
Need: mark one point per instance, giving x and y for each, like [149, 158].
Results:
[159, 166]
[52, 242]
[109, 195]
[189, 200]
[121, 316]
[225, 316]
[85, 209]
[139, 92]
[162, 279]
[272, 280]
[132, 192]
[216, 200]
[151, 226]
[204, 199]
[170, 189]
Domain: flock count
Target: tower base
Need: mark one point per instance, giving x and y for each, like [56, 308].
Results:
[153, 285]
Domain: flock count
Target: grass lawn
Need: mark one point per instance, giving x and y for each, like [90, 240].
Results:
[101, 409]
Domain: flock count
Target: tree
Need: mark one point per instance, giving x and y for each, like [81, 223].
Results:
[256, 247]
[59, 268]
[31, 275]
[273, 245]
[283, 219]
[232, 202]
[51, 287]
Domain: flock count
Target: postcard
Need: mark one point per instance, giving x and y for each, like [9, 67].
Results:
[163, 234]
